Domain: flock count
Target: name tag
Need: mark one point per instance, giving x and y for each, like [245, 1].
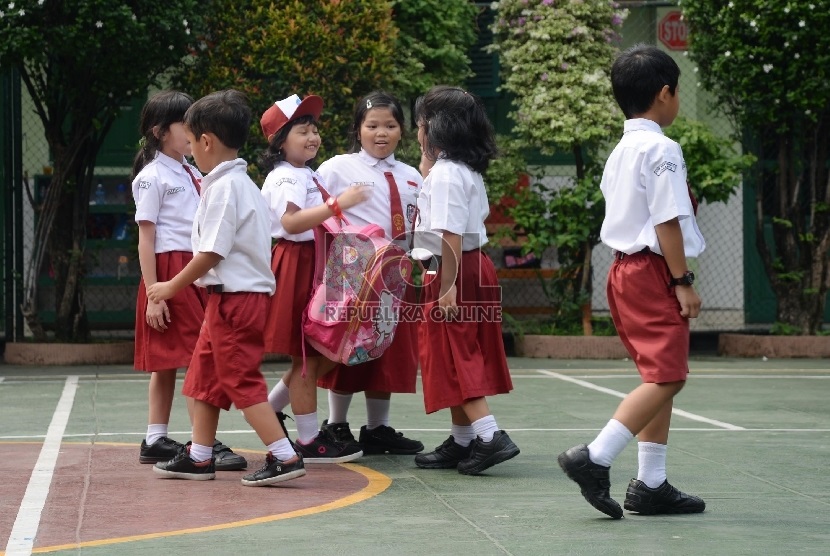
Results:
[174, 190]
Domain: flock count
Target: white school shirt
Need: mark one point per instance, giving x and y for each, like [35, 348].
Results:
[453, 199]
[165, 195]
[361, 168]
[232, 221]
[644, 184]
[288, 184]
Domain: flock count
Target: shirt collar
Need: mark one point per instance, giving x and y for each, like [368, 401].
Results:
[170, 162]
[224, 168]
[641, 124]
[388, 162]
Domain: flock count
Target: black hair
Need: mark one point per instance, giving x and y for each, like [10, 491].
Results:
[158, 114]
[456, 124]
[639, 74]
[226, 114]
[273, 154]
[375, 99]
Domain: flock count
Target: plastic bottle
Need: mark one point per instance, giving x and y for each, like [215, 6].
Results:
[123, 267]
[100, 195]
[120, 230]
[121, 197]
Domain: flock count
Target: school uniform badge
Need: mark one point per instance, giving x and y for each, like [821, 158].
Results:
[663, 166]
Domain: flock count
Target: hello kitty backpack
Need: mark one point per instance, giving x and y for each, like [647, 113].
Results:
[360, 281]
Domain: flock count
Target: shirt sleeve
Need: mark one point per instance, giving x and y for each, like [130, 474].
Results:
[449, 202]
[664, 178]
[217, 228]
[281, 188]
[148, 192]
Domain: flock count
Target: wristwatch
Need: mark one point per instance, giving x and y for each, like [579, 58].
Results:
[687, 279]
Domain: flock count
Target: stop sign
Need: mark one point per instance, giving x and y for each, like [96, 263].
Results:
[672, 31]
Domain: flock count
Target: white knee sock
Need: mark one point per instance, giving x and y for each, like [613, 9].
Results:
[154, 432]
[485, 427]
[339, 407]
[282, 450]
[652, 463]
[377, 412]
[306, 427]
[462, 434]
[608, 444]
[278, 397]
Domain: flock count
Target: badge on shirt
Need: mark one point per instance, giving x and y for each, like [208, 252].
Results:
[412, 183]
[359, 183]
[143, 184]
[410, 213]
[173, 190]
[663, 166]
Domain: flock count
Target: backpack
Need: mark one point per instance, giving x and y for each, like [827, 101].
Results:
[360, 281]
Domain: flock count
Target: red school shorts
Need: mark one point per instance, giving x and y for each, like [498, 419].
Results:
[226, 362]
[646, 313]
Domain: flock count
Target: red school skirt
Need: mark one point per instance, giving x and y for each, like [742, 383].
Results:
[394, 371]
[173, 348]
[464, 360]
[292, 263]
[646, 313]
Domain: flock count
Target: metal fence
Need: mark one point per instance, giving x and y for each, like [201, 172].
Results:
[112, 268]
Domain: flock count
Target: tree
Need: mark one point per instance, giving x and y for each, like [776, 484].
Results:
[767, 65]
[556, 57]
[80, 62]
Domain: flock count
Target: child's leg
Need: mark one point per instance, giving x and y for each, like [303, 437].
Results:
[279, 396]
[491, 446]
[161, 391]
[377, 408]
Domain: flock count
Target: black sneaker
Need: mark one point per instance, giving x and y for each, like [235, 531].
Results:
[593, 479]
[275, 471]
[386, 440]
[445, 456]
[226, 459]
[664, 499]
[338, 432]
[163, 449]
[484, 455]
[182, 467]
[324, 450]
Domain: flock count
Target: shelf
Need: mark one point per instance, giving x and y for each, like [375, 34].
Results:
[112, 209]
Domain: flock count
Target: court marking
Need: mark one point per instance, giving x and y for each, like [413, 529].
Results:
[675, 411]
[378, 482]
[24, 530]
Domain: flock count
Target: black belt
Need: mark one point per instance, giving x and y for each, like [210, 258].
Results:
[217, 288]
[620, 255]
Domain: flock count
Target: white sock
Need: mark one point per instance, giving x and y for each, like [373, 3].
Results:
[608, 444]
[282, 450]
[306, 427]
[652, 460]
[200, 453]
[485, 427]
[463, 434]
[377, 412]
[154, 432]
[339, 407]
[278, 397]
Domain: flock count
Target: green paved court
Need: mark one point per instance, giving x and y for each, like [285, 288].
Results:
[753, 441]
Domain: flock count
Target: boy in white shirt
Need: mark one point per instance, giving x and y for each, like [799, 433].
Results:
[650, 224]
[231, 245]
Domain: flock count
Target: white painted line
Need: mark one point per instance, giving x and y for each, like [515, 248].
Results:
[675, 411]
[22, 537]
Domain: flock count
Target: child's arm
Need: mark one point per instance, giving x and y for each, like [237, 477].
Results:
[157, 314]
[670, 238]
[296, 220]
[450, 254]
[196, 268]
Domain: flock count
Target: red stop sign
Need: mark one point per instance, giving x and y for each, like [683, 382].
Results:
[673, 32]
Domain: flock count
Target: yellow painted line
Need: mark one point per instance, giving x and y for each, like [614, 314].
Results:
[378, 482]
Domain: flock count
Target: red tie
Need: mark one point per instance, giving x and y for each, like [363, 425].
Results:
[193, 178]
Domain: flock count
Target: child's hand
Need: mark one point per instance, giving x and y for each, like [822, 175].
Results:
[447, 302]
[159, 292]
[689, 301]
[353, 195]
[157, 316]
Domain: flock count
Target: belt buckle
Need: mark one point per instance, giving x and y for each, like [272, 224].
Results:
[216, 288]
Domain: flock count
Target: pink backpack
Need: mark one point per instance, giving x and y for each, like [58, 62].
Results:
[360, 281]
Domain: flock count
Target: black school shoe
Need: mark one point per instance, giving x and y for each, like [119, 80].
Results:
[484, 455]
[182, 467]
[275, 471]
[163, 449]
[664, 499]
[593, 479]
[226, 459]
[338, 432]
[445, 456]
[386, 440]
[325, 450]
